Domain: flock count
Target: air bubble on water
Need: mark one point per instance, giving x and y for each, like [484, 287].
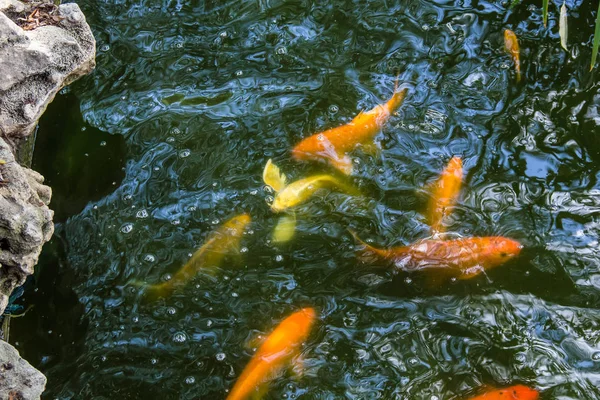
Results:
[103, 358]
[220, 356]
[179, 337]
[103, 143]
[184, 153]
[504, 66]
[408, 280]
[333, 109]
[244, 250]
[281, 50]
[234, 294]
[126, 228]
[149, 258]
[279, 258]
[413, 361]
[209, 323]
[176, 131]
[190, 380]
[142, 213]
[269, 199]
[434, 397]
[596, 356]
[95, 207]
[223, 34]
[254, 192]
[425, 27]
[171, 310]
[215, 221]
[175, 222]
[239, 72]
[170, 139]
[105, 47]
[153, 361]
[166, 277]
[135, 319]
[156, 168]
[214, 184]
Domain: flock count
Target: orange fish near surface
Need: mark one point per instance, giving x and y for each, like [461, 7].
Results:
[511, 45]
[279, 349]
[444, 194]
[517, 392]
[463, 258]
[333, 144]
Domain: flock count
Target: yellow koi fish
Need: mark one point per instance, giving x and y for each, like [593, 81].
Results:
[301, 190]
[279, 349]
[511, 45]
[333, 144]
[225, 240]
[444, 194]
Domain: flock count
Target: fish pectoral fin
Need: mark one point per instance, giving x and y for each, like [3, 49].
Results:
[285, 229]
[342, 162]
[273, 177]
[471, 272]
[298, 367]
[371, 148]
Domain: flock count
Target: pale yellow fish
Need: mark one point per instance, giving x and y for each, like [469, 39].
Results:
[285, 229]
[225, 240]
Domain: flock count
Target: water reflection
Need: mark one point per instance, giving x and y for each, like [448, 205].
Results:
[204, 93]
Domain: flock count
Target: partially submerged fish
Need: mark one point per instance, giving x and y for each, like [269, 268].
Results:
[225, 240]
[517, 392]
[280, 349]
[301, 190]
[463, 258]
[444, 194]
[333, 144]
[511, 45]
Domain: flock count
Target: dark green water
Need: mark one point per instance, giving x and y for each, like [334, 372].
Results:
[168, 138]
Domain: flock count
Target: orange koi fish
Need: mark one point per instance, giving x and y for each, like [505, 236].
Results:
[444, 194]
[464, 258]
[511, 45]
[223, 241]
[333, 144]
[279, 349]
[517, 392]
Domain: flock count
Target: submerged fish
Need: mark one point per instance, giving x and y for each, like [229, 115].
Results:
[301, 190]
[511, 45]
[333, 144]
[225, 240]
[517, 392]
[444, 194]
[280, 349]
[463, 258]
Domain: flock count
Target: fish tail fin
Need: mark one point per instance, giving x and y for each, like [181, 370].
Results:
[342, 163]
[366, 253]
[273, 177]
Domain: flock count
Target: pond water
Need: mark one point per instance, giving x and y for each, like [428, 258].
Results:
[168, 138]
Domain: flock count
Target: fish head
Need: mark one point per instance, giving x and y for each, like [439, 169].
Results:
[307, 148]
[290, 333]
[521, 392]
[499, 250]
[285, 199]
[236, 225]
[455, 166]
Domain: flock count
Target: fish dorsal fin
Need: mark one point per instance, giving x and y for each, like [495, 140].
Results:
[273, 177]
[285, 229]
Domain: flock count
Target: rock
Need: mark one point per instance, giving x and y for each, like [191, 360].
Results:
[35, 64]
[18, 379]
[25, 221]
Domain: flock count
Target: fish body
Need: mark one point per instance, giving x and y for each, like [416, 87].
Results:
[511, 45]
[279, 350]
[444, 194]
[301, 190]
[333, 144]
[464, 258]
[225, 240]
[517, 392]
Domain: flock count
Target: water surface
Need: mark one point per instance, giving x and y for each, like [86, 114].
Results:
[188, 102]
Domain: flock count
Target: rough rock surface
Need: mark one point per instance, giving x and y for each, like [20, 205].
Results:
[18, 379]
[35, 64]
[25, 221]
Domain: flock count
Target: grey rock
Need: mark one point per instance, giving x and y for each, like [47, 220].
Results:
[18, 379]
[36, 64]
[25, 221]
